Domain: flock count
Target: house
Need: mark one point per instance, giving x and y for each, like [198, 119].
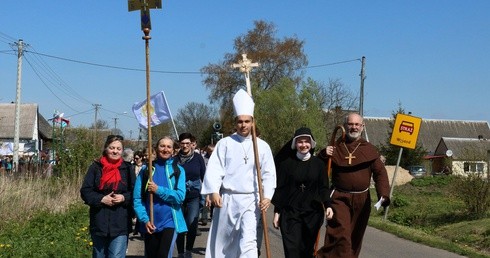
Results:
[35, 133]
[467, 141]
[462, 155]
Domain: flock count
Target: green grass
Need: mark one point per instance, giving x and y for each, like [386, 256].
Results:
[48, 235]
[427, 211]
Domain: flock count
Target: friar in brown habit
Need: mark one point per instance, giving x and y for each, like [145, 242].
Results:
[354, 162]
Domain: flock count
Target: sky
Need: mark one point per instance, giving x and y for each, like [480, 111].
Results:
[432, 57]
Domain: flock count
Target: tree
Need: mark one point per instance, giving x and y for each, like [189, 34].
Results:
[99, 124]
[283, 109]
[278, 59]
[198, 119]
[391, 152]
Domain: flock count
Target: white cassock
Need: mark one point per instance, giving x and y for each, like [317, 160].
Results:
[231, 172]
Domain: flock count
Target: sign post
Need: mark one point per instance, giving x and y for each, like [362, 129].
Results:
[405, 132]
[144, 6]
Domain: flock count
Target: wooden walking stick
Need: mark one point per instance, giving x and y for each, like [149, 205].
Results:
[246, 66]
[329, 172]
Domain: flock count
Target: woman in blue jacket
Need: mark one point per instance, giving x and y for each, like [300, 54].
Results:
[168, 189]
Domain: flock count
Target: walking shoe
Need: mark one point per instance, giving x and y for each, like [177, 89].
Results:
[204, 221]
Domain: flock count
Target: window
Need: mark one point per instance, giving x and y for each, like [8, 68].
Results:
[471, 167]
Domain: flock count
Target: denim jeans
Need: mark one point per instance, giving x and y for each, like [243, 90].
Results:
[191, 213]
[109, 247]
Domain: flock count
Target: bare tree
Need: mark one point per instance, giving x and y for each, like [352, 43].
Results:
[196, 118]
[278, 58]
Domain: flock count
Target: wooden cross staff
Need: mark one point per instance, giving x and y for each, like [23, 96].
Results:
[245, 67]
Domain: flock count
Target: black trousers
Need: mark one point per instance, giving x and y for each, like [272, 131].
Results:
[158, 244]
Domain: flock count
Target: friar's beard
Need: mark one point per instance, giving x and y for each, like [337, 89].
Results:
[352, 136]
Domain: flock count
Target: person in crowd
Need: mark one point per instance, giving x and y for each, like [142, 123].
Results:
[354, 162]
[138, 166]
[205, 210]
[107, 188]
[302, 198]
[128, 155]
[138, 162]
[230, 184]
[167, 185]
[194, 166]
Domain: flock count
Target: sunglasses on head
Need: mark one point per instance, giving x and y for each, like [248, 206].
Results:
[115, 137]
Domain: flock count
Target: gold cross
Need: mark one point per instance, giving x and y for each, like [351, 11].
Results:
[350, 157]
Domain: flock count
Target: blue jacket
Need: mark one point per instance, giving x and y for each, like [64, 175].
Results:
[171, 196]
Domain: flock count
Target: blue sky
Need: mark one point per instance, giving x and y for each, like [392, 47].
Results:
[430, 56]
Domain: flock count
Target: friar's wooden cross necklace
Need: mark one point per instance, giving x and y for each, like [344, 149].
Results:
[351, 154]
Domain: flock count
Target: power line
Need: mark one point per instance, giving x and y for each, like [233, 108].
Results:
[330, 64]
[113, 66]
[44, 83]
[170, 72]
[58, 81]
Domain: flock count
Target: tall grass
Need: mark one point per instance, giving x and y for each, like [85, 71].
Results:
[23, 197]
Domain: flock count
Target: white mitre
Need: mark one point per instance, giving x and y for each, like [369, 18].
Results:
[243, 103]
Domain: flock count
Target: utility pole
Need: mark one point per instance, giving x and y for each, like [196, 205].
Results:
[361, 96]
[115, 122]
[95, 123]
[20, 46]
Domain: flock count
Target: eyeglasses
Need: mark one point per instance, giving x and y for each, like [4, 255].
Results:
[354, 125]
[137, 158]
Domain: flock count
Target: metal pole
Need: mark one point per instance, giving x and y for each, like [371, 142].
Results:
[393, 181]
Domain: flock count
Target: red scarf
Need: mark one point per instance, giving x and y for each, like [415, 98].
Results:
[110, 173]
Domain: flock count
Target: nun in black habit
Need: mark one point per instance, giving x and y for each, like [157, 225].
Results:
[302, 197]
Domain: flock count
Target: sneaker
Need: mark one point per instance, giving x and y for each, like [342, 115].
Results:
[204, 221]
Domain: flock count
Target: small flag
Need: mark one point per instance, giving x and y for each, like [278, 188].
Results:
[159, 111]
[64, 122]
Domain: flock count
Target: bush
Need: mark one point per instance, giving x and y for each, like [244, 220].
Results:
[474, 191]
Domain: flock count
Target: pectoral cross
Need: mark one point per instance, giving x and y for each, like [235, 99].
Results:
[245, 158]
[302, 186]
[350, 158]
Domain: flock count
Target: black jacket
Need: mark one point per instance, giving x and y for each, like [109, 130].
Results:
[105, 220]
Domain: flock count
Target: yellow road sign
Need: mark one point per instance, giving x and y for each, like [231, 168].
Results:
[134, 5]
[405, 131]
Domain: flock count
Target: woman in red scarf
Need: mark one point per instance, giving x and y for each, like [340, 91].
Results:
[107, 189]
